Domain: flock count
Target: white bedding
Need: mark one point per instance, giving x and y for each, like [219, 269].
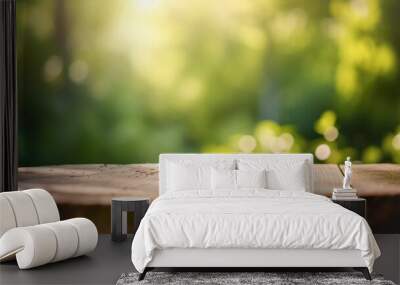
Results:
[250, 218]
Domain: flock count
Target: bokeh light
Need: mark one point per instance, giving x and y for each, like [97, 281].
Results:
[52, 68]
[148, 76]
[331, 134]
[396, 142]
[78, 71]
[323, 151]
[372, 154]
[247, 143]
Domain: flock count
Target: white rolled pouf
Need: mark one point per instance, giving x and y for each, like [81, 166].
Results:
[31, 231]
[23, 208]
[40, 244]
[7, 219]
[67, 240]
[45, 205]
[33, 246]
[87, 234]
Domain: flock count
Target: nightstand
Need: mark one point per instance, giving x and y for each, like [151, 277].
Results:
[119, 208]
[358, 206]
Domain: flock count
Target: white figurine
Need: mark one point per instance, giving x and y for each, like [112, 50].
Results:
[347, 174]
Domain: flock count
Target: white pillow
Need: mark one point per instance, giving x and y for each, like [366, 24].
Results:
[251, 178]
[189, 174]
[291, 180]
[223, 179]
[281, 174]
[237, 179]
[188, 177]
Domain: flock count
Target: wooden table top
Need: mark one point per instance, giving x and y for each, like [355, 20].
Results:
[97, 184]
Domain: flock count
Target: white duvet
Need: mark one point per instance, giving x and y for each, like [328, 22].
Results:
[250, 219]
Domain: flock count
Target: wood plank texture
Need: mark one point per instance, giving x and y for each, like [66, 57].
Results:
[326, 177]
[92, 184]
[376, 180]
[380, 184]
[96, 184]
[87, 190]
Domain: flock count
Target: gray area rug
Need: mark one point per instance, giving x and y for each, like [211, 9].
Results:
[228, 278]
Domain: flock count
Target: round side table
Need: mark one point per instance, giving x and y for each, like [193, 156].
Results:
[119, 208]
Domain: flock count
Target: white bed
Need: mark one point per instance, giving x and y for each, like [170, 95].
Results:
[281, 224]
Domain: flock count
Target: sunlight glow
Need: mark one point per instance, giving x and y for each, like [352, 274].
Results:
[147, 4]
[190, 90]
[225, 76]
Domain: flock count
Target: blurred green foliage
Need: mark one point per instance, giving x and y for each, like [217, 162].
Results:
[122, 81]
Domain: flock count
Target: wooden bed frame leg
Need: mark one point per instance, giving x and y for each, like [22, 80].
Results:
[364, 271]
[143, 274]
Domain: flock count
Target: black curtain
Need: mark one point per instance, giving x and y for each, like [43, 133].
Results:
[8, 98]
